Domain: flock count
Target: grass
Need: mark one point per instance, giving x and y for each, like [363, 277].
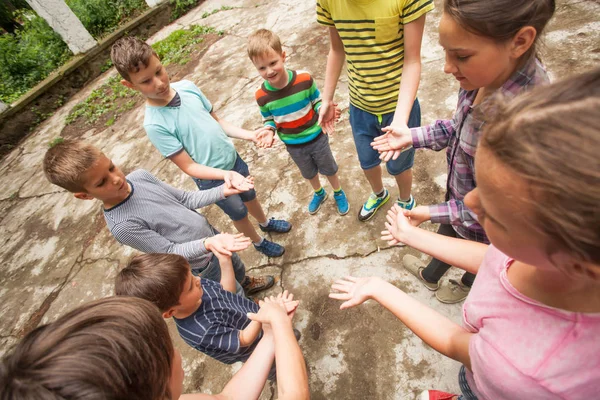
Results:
[174, 49]
[216, 10]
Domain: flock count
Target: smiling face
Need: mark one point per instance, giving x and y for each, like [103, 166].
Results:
[152, 81]
[106, 182]
[475, 61]
[271, 67]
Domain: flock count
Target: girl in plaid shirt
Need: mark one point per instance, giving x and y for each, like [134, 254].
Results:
[490, 48]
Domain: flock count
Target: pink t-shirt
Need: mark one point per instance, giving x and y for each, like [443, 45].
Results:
[524, 349]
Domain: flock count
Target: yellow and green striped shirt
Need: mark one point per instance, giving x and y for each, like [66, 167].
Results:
[373, 35]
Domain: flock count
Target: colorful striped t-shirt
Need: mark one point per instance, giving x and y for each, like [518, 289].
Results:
[292, 111]
[372, 32]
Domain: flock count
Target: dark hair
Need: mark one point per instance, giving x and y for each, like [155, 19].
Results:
[113, 348]
[500, 20]
[551, 137]
[128, 53]
[158, 278]
[66, 162]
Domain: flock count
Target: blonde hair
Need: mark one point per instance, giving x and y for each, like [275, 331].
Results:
[66, 162]
[551, 138]
[261, 41]
[128, 53]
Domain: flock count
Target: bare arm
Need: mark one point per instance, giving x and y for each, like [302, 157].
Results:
[249, 334]
[464, 254]
[227, 274]
[232, 130]
[335, 62]
[411, 71]
[195, 170]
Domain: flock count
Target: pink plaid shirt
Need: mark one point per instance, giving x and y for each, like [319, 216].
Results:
[459, 136]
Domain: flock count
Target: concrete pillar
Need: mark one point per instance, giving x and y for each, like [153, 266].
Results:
[2, 107]
[60, 17]
[153, 3]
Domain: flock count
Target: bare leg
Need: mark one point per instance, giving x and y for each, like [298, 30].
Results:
[315, 182]
[404, 181]
[374, 177]
[245, 226]
[255, 209]
[334, 181]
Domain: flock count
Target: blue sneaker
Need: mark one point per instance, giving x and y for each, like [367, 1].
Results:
[316, 202]
[276, 225]
[407, 205]
[342, 202]
[371, 206]
[270, 249]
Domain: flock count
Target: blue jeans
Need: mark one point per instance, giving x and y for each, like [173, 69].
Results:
[467, 394]
[367, 126]
[213, 271]
[233, 205]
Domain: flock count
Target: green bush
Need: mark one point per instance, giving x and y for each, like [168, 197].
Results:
[102, 16]
[29, 56]
[180, 7]
[177, 47]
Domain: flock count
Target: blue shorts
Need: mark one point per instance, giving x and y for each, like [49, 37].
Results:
[367, 126]
[233, 205]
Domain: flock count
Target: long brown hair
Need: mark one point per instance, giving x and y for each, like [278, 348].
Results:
[551, 138]
[113, 348]
[500, 20]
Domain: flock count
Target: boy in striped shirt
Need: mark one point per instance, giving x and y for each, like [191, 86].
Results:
[289, 103]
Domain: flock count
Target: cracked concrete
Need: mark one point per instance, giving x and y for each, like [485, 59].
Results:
[56, 252]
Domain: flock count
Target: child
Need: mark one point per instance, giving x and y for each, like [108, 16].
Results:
[182, 125]
[490, 47]
[209, 316]
[289, 103]
[382, 41]
[149, 215]
[119, 348]
[532, 319]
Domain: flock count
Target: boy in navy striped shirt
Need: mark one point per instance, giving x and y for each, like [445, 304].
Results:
[209, 316]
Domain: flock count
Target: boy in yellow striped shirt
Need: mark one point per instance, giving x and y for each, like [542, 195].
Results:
[381, 42]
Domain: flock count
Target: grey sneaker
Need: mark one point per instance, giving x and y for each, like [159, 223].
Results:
[415, 266]
[452, 292]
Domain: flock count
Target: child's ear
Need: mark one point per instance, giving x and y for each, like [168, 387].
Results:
[169, 313]
[283, 55]
[83, 196]
[523, 41]
[125, 82]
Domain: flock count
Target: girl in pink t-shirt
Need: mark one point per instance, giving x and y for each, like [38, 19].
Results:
[532, 319]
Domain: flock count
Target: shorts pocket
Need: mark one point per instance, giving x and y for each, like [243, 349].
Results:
[387, 29]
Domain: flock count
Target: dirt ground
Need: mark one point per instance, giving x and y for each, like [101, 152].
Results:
[56, 253]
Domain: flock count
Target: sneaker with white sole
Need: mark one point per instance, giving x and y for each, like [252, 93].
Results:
[270, 249]
[371, 206]
[415, 266]
[452, 292]
[341, 202]
[316, 202]
[407, 205]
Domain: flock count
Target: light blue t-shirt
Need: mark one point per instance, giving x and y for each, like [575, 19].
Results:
[190, 127]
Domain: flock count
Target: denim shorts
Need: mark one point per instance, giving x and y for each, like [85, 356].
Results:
[314, 157]
[232, 205]
[367, 126]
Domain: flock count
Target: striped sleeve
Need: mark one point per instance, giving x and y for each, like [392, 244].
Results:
[414, 9]
[314, 95]
[435, 136]
[323, 15]
[265, 113]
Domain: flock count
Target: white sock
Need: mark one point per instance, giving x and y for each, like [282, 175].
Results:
[264, 224]
[259, 242]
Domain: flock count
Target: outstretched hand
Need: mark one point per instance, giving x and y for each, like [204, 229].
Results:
[397, 227]
[273, 308]
[241, 186]
[353, 291]
[264, 137]
[393, 142]
[227, 244]
[329, 114]
[235, 180]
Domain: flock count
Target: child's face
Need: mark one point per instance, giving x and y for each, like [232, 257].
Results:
[475, 61]
[190, 297]
[271, 67]
[104, 181]
[151, 81]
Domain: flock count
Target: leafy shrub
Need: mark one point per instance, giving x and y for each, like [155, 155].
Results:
[29, 56]
[181, 7]
[103, 16]
[177, 46]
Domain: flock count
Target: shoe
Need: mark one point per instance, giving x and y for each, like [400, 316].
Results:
[270, 249]
[413, 265]
[255, 284]
[436, 395]
[276, 225]
[407, 205]
[342, 202]
[316, 202]
[371, 206]
[453, 292]
[297, 334]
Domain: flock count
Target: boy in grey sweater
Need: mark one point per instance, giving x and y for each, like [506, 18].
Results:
[145, 213]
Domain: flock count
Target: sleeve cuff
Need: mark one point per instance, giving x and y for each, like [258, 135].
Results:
[439, 214]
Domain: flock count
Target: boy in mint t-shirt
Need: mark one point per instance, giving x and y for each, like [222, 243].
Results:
[182, 125]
